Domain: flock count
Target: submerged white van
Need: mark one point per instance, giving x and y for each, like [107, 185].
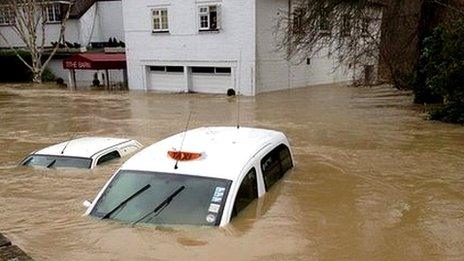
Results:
[203, 177]
[82, 153]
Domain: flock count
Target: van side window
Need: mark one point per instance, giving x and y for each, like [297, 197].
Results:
[247, 192]
[108, 157]
[275, 164]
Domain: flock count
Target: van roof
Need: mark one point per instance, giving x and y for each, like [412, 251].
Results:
[225, 151]
[82, 147]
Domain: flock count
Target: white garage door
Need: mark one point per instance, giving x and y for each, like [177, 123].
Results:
[167, 78]
[211, 79]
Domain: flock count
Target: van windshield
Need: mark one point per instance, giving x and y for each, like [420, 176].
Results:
[138, 197]
[50, 161]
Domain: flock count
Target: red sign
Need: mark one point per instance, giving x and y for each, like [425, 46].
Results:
[95, 61]
[77, 65]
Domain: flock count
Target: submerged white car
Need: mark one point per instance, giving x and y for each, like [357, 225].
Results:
[201, 177]
[84, 153]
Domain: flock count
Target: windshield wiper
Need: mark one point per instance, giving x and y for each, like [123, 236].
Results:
[157, 210]
[138, 192]
[51, 164]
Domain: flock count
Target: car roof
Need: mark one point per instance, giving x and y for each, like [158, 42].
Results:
[85, 147]
[225, 151]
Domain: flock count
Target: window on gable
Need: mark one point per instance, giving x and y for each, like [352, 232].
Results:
[209, 17]
[53, 13]
[6, 16]
[108, 157]
[275, 164]
[160, 20]
[247, 192]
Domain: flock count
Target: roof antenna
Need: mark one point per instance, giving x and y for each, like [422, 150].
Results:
[69, 141]
[183, 139]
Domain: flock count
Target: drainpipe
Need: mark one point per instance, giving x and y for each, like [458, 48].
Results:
[289, 71]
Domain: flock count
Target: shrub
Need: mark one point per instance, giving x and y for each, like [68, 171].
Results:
[441, 72]
[48, 76]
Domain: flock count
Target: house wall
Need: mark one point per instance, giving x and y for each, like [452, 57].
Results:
[234, 45]
[51, 34]
[274, 71]
[102, 21]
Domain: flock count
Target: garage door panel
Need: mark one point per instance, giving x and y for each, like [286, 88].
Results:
[211, 83]
[173, 82]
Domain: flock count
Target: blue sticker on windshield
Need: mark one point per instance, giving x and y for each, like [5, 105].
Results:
[219, 192]
[216, 199]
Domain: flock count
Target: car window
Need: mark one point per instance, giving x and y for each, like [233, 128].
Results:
[275, 164]
[50, 161]
[200, 203]
[108, 157]
[247, 192]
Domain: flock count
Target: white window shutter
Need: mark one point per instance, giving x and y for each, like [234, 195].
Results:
[219, 16]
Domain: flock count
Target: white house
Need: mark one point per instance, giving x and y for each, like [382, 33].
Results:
[91, 24]
[214, 45]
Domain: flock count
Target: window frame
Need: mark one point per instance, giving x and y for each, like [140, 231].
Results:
[159, 17]
[7, 17]
[276, 152]
[56, 13]
[234, 211]
[211, 70]
[167, 69]
[29, 157]
[108, 160]
[207, 14]
[221, 214]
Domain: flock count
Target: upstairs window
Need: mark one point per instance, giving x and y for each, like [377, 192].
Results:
[53, 13]
[209, 18]
[6, 16]
[160, 20]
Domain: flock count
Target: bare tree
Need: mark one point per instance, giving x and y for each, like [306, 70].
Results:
[29, 20]
[361, 32]
[349, 31]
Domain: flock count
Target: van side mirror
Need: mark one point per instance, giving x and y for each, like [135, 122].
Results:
[87, 204]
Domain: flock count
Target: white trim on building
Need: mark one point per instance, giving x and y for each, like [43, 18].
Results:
[238, 35]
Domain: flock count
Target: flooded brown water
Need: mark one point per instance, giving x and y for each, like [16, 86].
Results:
[373, 179]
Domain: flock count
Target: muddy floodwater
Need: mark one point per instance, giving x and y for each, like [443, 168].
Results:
[373, 179]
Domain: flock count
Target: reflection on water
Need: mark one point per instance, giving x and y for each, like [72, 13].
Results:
[373, 179]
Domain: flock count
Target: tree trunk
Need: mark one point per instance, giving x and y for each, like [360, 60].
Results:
[37, 76]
